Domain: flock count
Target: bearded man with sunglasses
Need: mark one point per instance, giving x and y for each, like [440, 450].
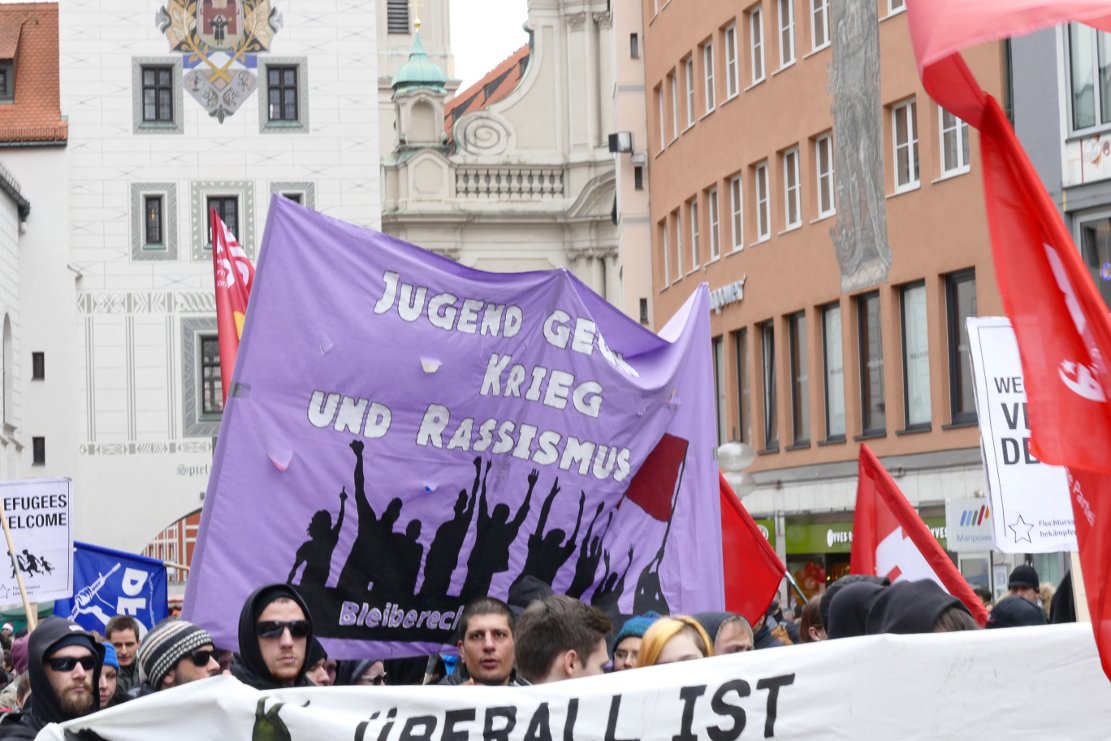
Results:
[173, 653]
[275, 630]
[64, 663]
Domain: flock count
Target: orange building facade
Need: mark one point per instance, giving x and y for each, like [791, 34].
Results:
[798, 167]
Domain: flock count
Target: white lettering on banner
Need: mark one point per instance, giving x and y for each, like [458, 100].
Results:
[898, 558]
[728, 294]
[1077, 377]
[474, 316]
[883, 684]
[586, 397]
[132, 585]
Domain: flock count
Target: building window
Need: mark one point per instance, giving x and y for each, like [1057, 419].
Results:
[792, 189]
[719, 387]
[767, 359]
[643, 311]
[715, 226]
[904, 136]
[823, 164]
[227, 208]
[281, 87]
[1089, 77]
[158, 94]
[152, 220]
[916, 357]
[744, 416]
[960, 300]
[763, 204]
[660, 103]
[756, 43]
[872, 408]
[38, 451]
[786, 32]
[736, 202]
[638, 177]
[211, 391]
[673, 85]
[7, 373]
[692, 214]
[397, 17]
[666, 256]
[295, 197]
[688, 73]
[819, 24]
[298, 191]
[634, 46]
[954, 144]
[38, 366]
[895, 6]
[677, 215]
[732, 74]
[800, 379]
[7, 80]
[708, 70]
[1095, 247]
[833, 366]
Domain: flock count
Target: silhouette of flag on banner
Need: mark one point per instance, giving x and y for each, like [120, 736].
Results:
[752, 568]
[890, 539]
[107, 583]
[1060, 321]
[234, 275]
[654, 485]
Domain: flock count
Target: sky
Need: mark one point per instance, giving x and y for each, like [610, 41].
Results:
[483, 33]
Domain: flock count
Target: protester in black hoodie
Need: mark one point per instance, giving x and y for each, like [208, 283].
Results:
[58, 693]
[275, 630]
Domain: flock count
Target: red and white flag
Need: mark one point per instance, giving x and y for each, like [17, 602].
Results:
[1060, 321]
[890, 539]
[753, 571]
[235, 276]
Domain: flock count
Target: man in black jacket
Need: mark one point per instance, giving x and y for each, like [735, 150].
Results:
[64, 663]
[275, 630]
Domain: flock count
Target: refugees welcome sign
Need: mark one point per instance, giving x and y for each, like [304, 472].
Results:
[405, 434]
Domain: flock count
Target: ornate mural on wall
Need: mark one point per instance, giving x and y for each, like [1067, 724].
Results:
[219, 41]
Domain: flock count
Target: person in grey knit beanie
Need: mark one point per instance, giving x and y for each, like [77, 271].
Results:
[173, 653]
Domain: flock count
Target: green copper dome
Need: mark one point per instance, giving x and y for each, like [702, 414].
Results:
[419, 73]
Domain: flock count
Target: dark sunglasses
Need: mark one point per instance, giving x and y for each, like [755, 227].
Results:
[202, 656]
[67, 663]
[274, 628]
[380, 679]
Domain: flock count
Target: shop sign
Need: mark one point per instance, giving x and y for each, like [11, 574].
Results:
[837, 537]
[968, 522]
[767, 529]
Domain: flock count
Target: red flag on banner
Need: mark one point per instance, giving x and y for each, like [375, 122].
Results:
[234, 275]
[752, 568]
[655, 485]
[890, 539]
[1060, 322]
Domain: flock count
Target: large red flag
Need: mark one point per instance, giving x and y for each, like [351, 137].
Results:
[890, 539]
[1060, 322]
[753, 570]
[234, 275]
[656, 483]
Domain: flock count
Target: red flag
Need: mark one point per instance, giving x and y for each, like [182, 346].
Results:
[1060, 322]
[890, 539]
[753, 570]
[234, 275]
[655, 485]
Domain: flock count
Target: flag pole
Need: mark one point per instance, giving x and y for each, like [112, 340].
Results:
[32, 615]
[1079, 593]
[791, 580]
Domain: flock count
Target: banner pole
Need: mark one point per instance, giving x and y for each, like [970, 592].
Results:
[32, 615]
[173, 565]
[1079, 594]
[791, 580]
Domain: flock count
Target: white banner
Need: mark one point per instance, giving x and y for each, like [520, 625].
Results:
[974, 684]
[1029, 499]
[38, 513]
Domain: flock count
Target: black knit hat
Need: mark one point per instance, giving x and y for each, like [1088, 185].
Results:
[1024, 576]
[1015, 612]
[166, 645]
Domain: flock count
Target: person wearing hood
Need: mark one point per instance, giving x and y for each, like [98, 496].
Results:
[275, 630]
[64, 662]
[908, 607]
[729, 632]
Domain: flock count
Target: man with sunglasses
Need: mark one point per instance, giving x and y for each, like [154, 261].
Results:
[173, 653]
[64, 663]
[275, 630]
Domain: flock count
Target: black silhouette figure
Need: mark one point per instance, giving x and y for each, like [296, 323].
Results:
[546, 551]
[609, 591]
[443, 554]
[361, 565]
[29, 564]
[386, 571]
[494, 535]
[46, 566]
[406, 552]
[590, 554]
[649, 594]
[316, 552]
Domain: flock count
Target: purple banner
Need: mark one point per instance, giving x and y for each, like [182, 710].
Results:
[405, 433]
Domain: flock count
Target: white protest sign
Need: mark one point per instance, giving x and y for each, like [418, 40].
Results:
[38, 513]
[1029, 499]
[972, 684]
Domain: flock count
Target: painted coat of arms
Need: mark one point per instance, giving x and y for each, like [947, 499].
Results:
[219, 41]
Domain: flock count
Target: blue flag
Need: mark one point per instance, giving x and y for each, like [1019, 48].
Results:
[107, 583]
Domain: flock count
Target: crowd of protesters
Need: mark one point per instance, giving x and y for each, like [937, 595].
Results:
[60, 671]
